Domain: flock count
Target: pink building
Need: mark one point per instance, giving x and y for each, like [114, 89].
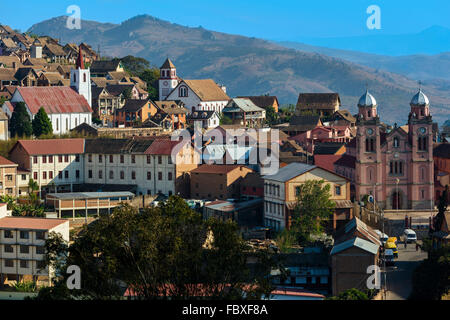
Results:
[397, 166]
[322, 134]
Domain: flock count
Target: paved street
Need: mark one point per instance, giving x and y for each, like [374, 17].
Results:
[399, 277]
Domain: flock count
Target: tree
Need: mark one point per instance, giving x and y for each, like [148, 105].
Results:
[223, 119]
[442, 207]
[271, 116]
[431, 279]
[350, 294]
[20, 123]
[127, 93]
[312, 210]
[151, 77]
[41, 123]
[159, 253]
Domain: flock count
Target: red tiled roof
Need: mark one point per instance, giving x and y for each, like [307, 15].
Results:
[161, 147]
[30, 223]
[54, 100]
[216, 168]
[53, 146]
[6, 162]
[326, 161]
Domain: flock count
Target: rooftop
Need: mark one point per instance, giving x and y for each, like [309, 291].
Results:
[90, 195]
[30, 223]
[52, 146]
[290, 171]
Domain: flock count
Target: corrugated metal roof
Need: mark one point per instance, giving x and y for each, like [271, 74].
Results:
[290, 171]
[240, 104]
[91, 195]
[355, 242]
[54, 100]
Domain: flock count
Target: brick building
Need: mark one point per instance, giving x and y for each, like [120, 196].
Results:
[217, 181]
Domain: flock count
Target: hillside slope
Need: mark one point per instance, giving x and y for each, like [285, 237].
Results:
[249, 66]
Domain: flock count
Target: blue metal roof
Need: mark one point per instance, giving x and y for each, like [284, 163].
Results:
[290, 171]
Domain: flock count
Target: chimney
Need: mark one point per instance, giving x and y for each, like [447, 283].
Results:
[224, 88]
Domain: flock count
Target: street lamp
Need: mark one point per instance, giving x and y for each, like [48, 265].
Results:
[397, 194]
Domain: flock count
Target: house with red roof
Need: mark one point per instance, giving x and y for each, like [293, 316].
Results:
[65, 108]
[55, 164]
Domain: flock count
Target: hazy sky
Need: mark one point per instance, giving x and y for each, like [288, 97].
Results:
[269, 19]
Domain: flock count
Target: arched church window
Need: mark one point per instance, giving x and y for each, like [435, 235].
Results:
[74, 77]
[396, 142]
[84, 77]
[183, 92]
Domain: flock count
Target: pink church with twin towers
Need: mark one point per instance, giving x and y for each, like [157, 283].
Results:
[395, 167]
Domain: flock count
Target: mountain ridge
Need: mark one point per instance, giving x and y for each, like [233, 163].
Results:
[249, 66]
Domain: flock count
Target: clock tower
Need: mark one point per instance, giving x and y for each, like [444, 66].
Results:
[420, 135]
[168, 79]
[368, 152]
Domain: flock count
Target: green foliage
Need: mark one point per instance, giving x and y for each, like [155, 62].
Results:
[20, 123]
[223, 119]
[158, 252]
[127, 93]
[350, 294]
[312, 210]
[431, 279]
[41, 123]
[442, 207]
[151, 76]
[25, 286]
[271, 116]
[9, 200]
[285, 240]
[141, 68]
[96, 120]
[134, 65]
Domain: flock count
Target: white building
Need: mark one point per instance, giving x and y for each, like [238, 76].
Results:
[22, 246]
[168, 79]
[55, 164]
[143, 164]
[65, 108]
[80, 79]
[204, 94]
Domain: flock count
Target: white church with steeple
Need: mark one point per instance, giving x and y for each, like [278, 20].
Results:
[168, 79]
[80, 79]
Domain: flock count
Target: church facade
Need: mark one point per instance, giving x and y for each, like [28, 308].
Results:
[395, 167]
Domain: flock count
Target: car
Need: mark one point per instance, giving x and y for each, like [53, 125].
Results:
[409, 236]
[389, 257]
[392, 246]
[392, 239]
[382, 236]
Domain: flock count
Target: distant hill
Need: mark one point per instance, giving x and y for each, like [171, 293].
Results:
[433, 40]
[250, 66]
[419, 66]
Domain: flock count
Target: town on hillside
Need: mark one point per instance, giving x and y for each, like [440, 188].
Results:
[123, 147]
